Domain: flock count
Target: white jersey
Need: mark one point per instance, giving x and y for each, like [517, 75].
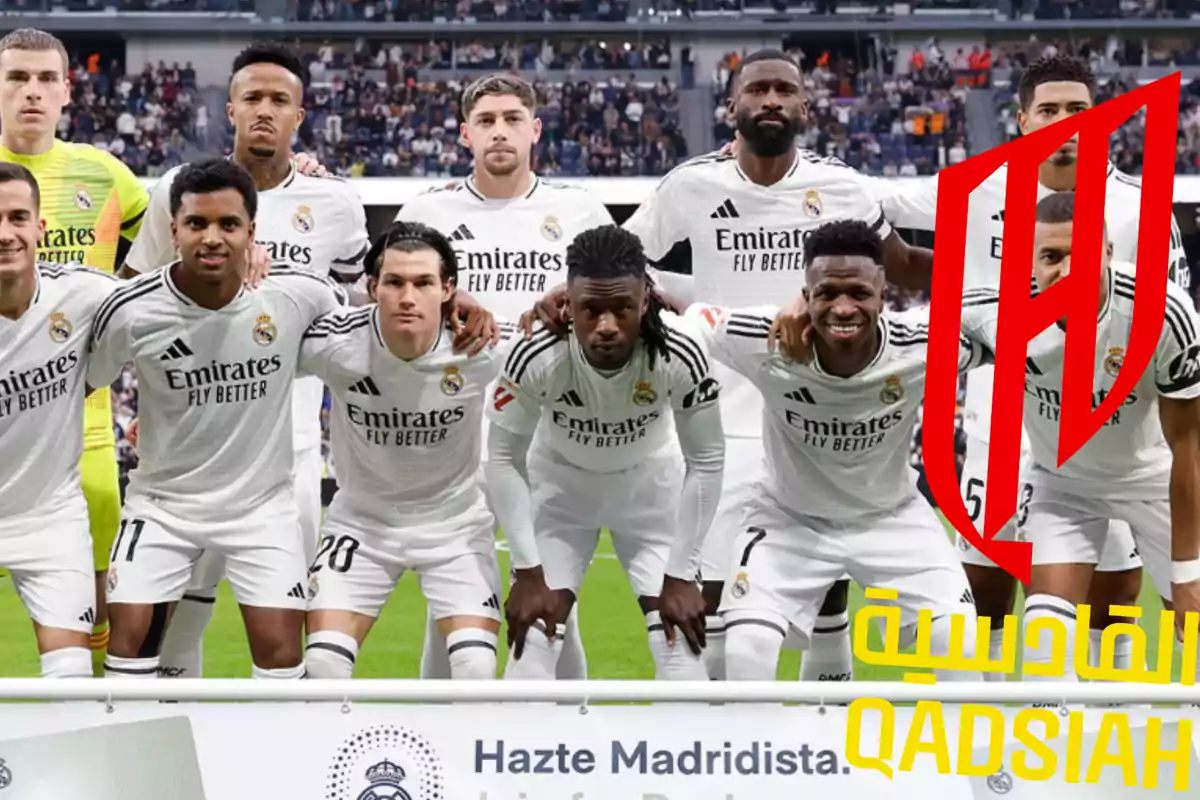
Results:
[510, 252]
[214, 387]
[314, 225]
[406, 435]
[43, 364]
[747, 240]
[598, 422]
[1128, 458]
[838, 448]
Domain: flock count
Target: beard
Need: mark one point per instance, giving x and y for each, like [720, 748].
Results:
[260, 151]
[764, 140]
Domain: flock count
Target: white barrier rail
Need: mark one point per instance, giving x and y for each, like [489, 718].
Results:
[583, 692]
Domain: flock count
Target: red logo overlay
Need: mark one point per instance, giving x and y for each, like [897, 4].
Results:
[503, 396]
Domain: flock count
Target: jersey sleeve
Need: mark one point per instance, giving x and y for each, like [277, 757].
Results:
[326, 338]
[660, 220]
[132, 196]
[515, 402]
[358, 242]
[314, 297]
[1125, 227]
[413, 210]
[510, 337]
[1177, 360]
[906, 203]
[110, 346]
[735, 337]
[153, 246]
[978, 325]
[597, 215]
[693, 386]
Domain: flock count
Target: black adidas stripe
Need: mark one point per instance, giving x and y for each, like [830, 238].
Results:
[354, 259]
[750, 321]
[980, 300]
[124, 296]
[324, 332]
[1177, 315]
[525, 352]
[689, 353]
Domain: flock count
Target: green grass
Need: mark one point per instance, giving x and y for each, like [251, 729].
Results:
[612, 626]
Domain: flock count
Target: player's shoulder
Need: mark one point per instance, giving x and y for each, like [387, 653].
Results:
[79, 151]
[1180, 312]
[130, 297]
[342, 324]
[76, 284]
[906, 329]
[325, 186]
[697, 170]
[75, 273]
[685, 345]
[1119, 182]
[539, 354]
[283, 276]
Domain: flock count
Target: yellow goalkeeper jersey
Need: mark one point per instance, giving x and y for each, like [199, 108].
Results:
[90, 201]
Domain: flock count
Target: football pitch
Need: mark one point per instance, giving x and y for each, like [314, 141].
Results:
[613, 632]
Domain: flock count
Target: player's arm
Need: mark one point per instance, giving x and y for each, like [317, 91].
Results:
[109, 348]
[978, 324]
[904, 265]
[133, 199]
[348, 266]
[736, 337]
[153, 245]
[319, 345]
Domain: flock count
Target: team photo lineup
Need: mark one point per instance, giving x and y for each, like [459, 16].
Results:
[717, 394]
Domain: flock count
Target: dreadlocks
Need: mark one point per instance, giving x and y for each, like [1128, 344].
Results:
[611, 252]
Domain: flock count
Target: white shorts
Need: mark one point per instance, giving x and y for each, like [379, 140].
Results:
[744, 472]
[52, 566]
[639, 506]
[156, 551]
[785, 565]
[1069, 529]
[1119, 553]
[356, 568]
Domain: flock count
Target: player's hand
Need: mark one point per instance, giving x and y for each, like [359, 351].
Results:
[258, 266]
[473, 326]
[792, 330]
[307, 165]
[1185, 597]
[550, 310]
[131, 433]
[680, 605]
[529, 600]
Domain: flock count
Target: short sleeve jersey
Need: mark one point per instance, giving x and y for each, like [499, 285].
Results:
[1128, 458]
[214, 386]
[510, 252]
[836, 447]
[43, 365]
[405, 434]
[602, 422]
[747, 240]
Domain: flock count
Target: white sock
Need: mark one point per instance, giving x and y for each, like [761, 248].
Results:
[828, 657]
[714, 652]
[1041, 650]
[281, 674]
[182, 653]
[939, 645]
[472, 654]
[435, 663]
[69, 662]
[995, 653]
[117, 667]
[330, 654]
[752, 649]
[572, 662]
[538, 661]
[676, 663]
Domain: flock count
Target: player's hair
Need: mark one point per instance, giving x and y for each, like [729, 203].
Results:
[10, 171]
[766, 54]
[611, 252]
[271, 53]
[37, 41]
[496, 85]
[410, 237]
[1057, 68]
[1057, 208]
[843, 237]
[213, 175]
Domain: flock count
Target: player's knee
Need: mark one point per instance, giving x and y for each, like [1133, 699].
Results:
[1113, 589]
[69, 662]
[472, 654]
[837, 599]
[1040, 610]
[752, 649]
[136, 631]
[539, 661]
[941, 644]
[331, 655]
[994, 591]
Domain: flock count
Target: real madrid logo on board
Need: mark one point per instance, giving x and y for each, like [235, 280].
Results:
[60, 327]
[1112, 364]
[302, 220]
[812, 203]
[1000, 783]
[452, 381]
[83, 198]
[551, 229]
[892, 391]
[644, 394]
[264, 330]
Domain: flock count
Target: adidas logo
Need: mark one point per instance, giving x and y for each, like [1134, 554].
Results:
[88, 616]
[492, 602]
[967, 598]
[998, 216]
[801, 396]
[1031, 368]
[725, 211]
[366, 386]
[298, 592]
[461, 234]
[570, 398]
[178, 349]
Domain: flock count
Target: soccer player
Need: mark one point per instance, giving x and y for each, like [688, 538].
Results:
[1141, 467]
[510, 230]
[306, 223]
[92, 205]
[744, 217]
[215, 365]
[406, 432]
[46, 313]
[602, 401]
[838, 496]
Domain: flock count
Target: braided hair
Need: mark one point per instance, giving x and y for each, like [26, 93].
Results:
[610, 252]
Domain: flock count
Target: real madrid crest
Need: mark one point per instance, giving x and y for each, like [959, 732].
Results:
[112, 579]
[314, 587]
[892, 391]
[644, 394]
[1112, 364]
[5, 775]
[551, 229]
[83, 198]
[264, 330]
[812, 203]
[741, 585]
[60, 327]
[452, 381]
[1000, 783]
[302, 220]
